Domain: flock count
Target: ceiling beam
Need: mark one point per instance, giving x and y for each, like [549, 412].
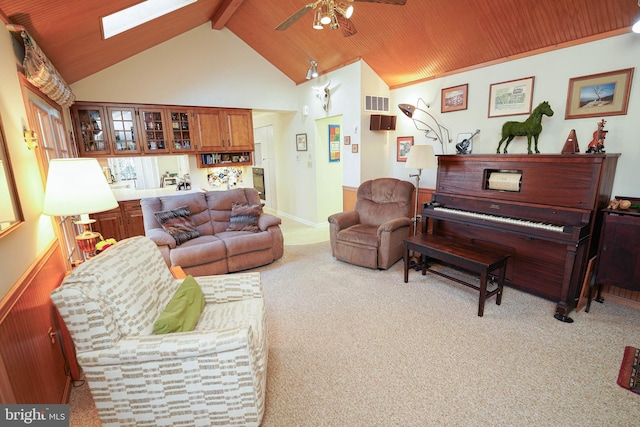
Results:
[224, 13]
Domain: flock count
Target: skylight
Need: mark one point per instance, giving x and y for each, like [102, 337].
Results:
[133, 16]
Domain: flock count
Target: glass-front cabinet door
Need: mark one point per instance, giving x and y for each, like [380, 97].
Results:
[182, 131]
[155, 137]
[91, 130]
[125, 135]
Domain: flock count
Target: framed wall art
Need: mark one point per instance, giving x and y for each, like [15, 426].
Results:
[511, 98]
[604, 94]
[334, 143]
[404, 146]
[347, 140]
[354, 148]
[301, 142]
[454, 98]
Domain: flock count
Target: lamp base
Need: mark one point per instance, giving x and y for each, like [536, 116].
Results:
[88, 239]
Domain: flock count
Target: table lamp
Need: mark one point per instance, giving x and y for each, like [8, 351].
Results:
[78, 187]
[420, 157]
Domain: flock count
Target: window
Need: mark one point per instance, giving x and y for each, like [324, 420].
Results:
[53, 143]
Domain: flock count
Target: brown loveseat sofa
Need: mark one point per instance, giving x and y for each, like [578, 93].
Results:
[214, 249]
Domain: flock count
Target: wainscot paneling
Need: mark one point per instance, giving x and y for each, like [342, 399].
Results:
[31, 355]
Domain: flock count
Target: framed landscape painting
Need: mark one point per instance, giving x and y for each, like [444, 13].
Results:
[604, 94]
[454, 98]
[511, 98]
[404, 146]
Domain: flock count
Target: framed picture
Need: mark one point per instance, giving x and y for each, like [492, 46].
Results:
[511, 98]
[301, 142]
[404, 146]
[354, 148]
[454, 98]
[347, 140]
[334, 143]
[605, 94]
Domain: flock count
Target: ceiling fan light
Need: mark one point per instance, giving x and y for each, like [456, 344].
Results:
[344, 10]
[317, 25]
[334, 22]
[325, 19]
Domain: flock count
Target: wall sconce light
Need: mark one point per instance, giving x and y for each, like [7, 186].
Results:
[636, 25]
[31, 139]
[427, 123]
[312, 72]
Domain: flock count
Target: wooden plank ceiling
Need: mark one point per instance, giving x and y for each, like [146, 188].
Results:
[403, 44]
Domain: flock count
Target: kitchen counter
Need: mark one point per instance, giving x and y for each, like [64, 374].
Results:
[123, 194]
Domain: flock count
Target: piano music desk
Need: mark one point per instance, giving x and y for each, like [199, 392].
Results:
[476, 259]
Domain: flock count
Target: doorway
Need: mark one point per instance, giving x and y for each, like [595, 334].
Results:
[264, 170]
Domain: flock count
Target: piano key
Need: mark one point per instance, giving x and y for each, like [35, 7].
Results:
[495, 218]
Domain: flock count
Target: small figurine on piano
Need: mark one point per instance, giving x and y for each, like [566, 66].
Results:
[597, 143]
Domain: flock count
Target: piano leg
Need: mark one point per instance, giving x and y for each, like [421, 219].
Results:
[563, 318]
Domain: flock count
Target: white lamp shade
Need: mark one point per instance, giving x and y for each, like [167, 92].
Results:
[76, 187]
[421, 157]
[7, 211]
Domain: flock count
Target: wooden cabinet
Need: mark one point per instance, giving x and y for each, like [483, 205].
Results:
[155, 133]
[109, 224]
[619, 253]
[104, 130]
[120, 223]
[90, 126]
[224, 130]
[182, 128]
[133, 220]
[123, 130]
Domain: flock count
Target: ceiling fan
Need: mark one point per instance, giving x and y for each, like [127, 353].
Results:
[334, 13]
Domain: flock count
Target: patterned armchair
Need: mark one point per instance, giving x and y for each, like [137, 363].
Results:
[372, 235]
[213, 375]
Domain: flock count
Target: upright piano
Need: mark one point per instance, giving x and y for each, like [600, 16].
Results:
[544, 209]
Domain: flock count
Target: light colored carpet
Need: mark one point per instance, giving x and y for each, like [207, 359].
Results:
[350, 346]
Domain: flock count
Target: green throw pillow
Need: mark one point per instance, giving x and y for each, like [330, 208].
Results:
[183, 311]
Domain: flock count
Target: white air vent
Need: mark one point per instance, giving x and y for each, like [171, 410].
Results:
[376, 103]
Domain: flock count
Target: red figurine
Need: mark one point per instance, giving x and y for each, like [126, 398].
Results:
[597, 143]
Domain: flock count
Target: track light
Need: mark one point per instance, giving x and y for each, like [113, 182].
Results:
[312, 72]
[636, 26]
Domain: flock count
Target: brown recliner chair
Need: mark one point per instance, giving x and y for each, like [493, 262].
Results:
[372, 234]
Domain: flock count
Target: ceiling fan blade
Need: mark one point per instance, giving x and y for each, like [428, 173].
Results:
[293, 18]
[396, 2]
[346, 26]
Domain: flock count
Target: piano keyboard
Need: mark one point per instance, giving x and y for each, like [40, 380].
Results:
[502, 219]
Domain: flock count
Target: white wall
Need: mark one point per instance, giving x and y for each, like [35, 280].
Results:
[552, 71]
[20, 247]
[202, 67]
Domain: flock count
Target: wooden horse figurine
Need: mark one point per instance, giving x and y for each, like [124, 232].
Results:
[529, 128]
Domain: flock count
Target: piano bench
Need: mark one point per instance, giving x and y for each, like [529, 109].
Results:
[477, 259]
